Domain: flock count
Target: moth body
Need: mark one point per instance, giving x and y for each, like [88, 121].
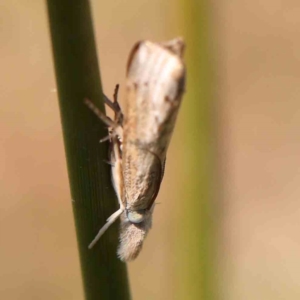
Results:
[140, 138]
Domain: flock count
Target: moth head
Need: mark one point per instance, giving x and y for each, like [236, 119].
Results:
[133, 234]
[136, 216]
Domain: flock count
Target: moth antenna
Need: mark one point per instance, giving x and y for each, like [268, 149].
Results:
[109, 222]
[115, 215]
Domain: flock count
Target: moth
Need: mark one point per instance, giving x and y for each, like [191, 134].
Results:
[140, 138]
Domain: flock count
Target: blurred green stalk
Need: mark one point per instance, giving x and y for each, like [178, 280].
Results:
[197, 242]
[93, 200]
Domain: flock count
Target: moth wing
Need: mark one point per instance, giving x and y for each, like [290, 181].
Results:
[155, 84]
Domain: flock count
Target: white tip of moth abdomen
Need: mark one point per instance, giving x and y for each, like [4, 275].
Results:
[132, 237]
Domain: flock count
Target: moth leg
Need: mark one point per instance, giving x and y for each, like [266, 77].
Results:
[109, 222]
[109, 162]
[116, 103]
[115, 126]
[108, 102]
[116, 167]
[117, 170]
[115, 136]
[105, 119]
[107, 138]
[115, 106]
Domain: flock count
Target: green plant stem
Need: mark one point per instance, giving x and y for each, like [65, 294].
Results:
[198, 234]
[77, 74]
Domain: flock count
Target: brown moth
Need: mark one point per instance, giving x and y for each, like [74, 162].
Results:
[140, 139]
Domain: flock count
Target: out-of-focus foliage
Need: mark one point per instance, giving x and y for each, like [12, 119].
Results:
[196, 241]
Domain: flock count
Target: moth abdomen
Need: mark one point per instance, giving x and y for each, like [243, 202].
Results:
[132, 237]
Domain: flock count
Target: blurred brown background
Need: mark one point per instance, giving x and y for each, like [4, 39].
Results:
[257, 68]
